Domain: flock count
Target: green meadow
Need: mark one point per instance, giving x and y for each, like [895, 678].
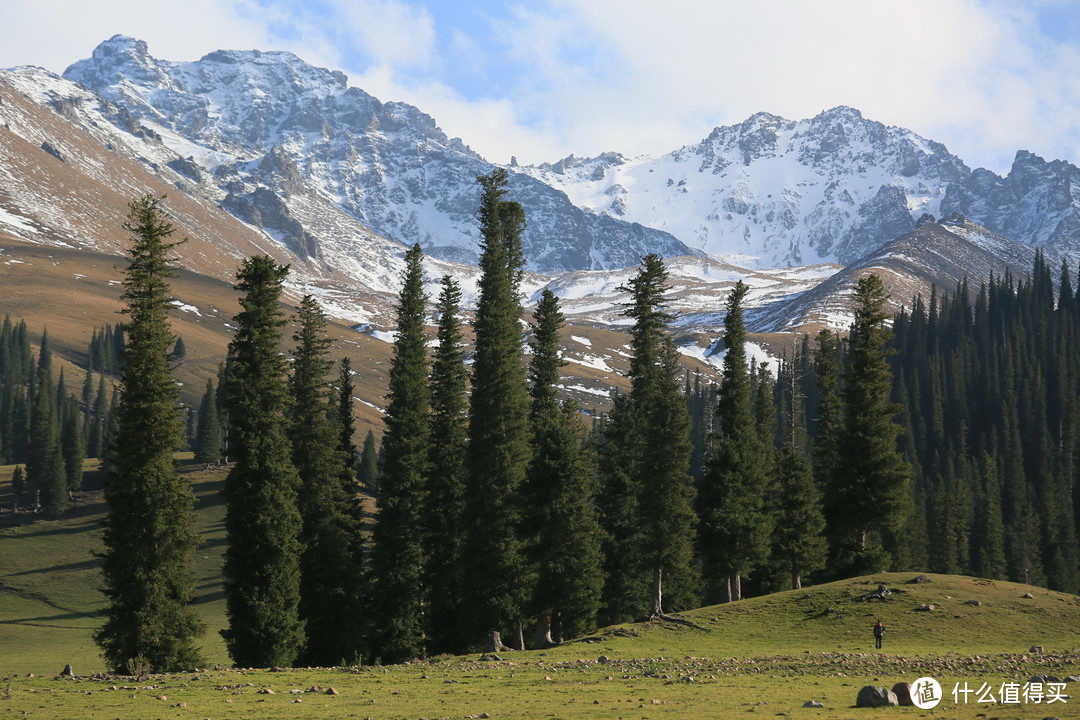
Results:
[764, 656]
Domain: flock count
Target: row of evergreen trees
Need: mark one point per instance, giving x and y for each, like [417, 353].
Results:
[43, 426]
[498, 512]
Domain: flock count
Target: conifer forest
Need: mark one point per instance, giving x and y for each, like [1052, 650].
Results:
[945, 439]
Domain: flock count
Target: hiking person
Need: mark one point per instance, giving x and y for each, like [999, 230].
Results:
[879, 633]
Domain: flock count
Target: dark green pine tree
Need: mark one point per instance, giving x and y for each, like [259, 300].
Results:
[19, 487]
[179, 351]
[620, 448]
[736, 521]
[150, 534]
[988, 541]
[95, 439]
[367, 470]
[208, 432]
[397, 556]
[799, 541]
[45, 461]
[872, 493]
[560, 516]
[346, 426]
[262, 518]
[446, 478]
[666, 507]
[829, 422]
[72, 444]
[499, 453]
[329, 577]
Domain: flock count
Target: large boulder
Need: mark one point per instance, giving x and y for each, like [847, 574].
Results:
[902, 690]
[875, 696]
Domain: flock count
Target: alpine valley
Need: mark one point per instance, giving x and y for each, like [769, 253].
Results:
[260, 152]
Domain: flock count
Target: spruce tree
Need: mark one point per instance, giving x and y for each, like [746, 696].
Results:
[346, 426]
[873, 492]
[72, 445]
[498, 454]
[368, 466]
[208, 432]
[18, 487]
[799, 540]
[44, 460]
[150, 534]
[329, 577]
[446, 477]
[666, 506]
[560, 518]
[397, 556]
[262, 520]
[736, 522]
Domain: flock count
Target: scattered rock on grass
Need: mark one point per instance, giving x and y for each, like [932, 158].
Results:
[813, 704]
[918, 580]
[1036, 649]
[67, 671]
[928, 607]
[874, 696]
[1028, 596]
[902, 690]
[974, 603]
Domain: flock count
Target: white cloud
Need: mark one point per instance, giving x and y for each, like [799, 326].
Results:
[636, 76]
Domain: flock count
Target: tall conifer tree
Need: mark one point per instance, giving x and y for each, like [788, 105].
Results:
[446, 479]
[208, 432]
[262, 520]
[873, 492]
[398, 541]
[498, 454]
[150, 535]
[736, 522]
[330, 576]
[666, 506]
[560, 517]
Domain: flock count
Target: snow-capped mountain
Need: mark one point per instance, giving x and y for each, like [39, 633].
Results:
[273, 132]
[771, 192]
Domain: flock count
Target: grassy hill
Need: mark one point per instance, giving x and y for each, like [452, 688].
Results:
[782, 649]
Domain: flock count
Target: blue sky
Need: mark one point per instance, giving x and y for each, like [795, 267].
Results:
[546, 78]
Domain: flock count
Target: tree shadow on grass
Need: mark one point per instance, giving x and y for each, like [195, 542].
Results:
[83, 565]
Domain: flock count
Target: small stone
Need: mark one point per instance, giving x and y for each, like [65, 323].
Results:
[603, 659]
[974, 603]
[688, 678]
[1028, 596]
[547, 677]
[67, 671]
[1036, 649]
[928, 607]
[265, 691]
[316, 689]
[331, 691]
[298, 700]
[161, 697]
[813, 704]
[919, 580]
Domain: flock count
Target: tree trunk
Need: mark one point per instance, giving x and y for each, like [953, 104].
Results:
[658, 591]
[735, 586]
[494, 643]
[521, 635]
[728, 585]
[796, 580]
[543, 631]
[860, 541]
